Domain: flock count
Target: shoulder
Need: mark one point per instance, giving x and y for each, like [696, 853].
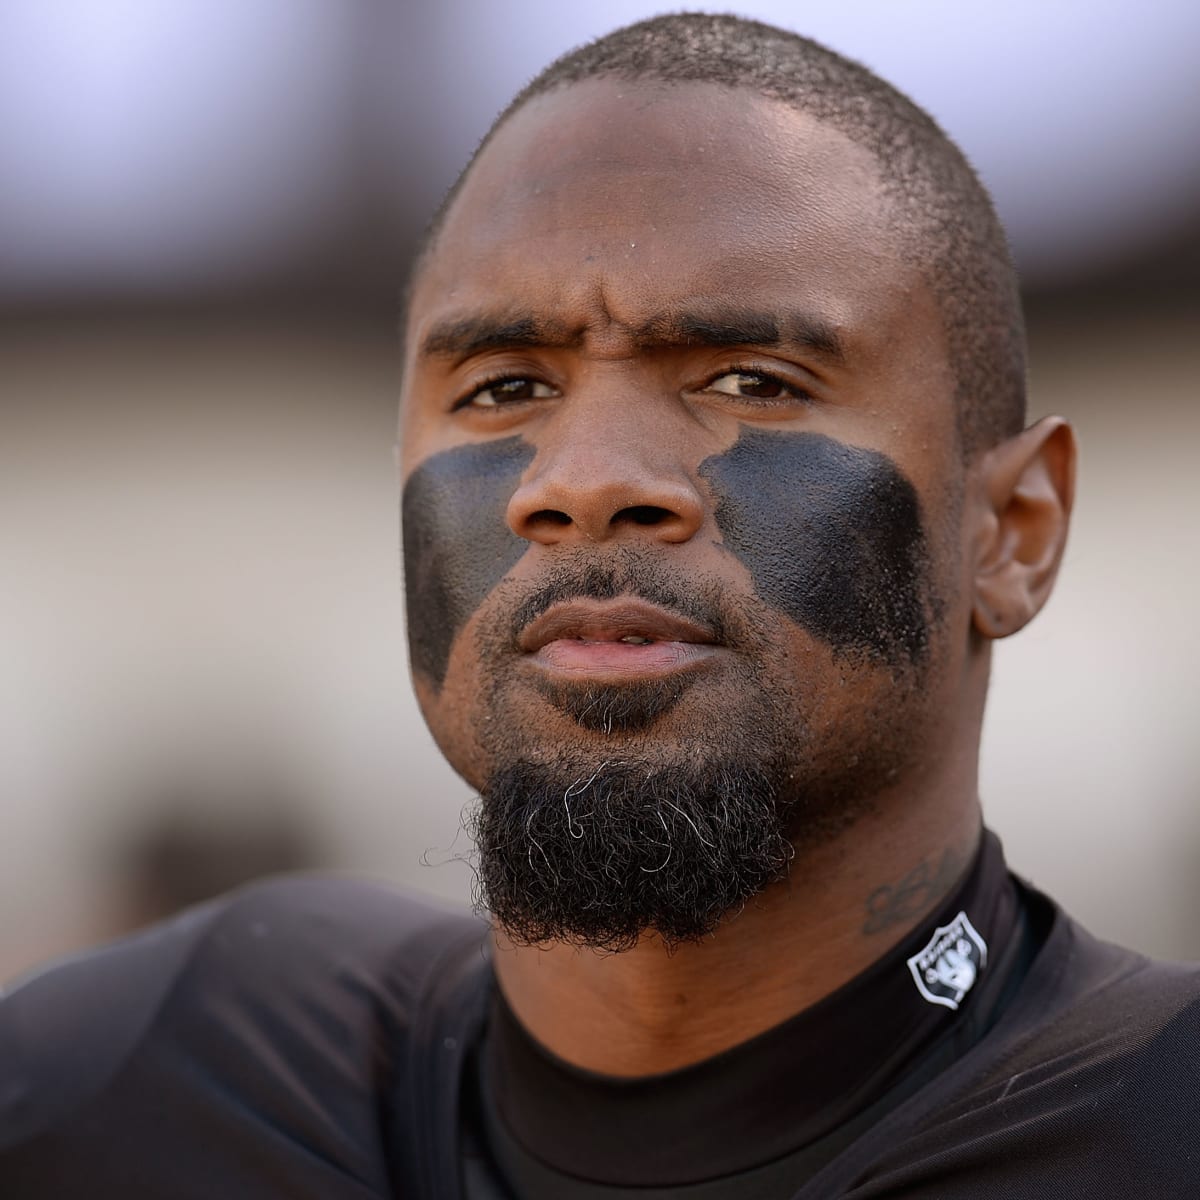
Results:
[1088, 1082]
[1101, 1034]
[1089, 1005]
[315, 963]
[315, 931]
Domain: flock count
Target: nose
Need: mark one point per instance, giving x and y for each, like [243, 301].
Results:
[602, 479]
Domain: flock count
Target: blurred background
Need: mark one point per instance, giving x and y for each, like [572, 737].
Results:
[206, 208]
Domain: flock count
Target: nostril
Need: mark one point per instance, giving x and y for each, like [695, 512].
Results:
[642, 514]
[550, 516]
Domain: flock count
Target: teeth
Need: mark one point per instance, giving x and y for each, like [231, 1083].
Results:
[634, 640]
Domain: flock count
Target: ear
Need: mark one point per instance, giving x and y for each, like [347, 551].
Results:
[1026, 489]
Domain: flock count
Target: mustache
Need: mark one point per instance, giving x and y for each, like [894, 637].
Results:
[698, 601]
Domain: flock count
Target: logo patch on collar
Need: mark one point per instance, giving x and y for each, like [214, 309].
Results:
[946, 969]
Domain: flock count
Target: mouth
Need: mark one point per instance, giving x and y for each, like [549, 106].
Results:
[615, 640]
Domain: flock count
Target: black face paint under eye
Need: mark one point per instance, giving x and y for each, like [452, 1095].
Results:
[832, 537]
[457, 546]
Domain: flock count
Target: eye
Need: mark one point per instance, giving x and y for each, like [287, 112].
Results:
[510, 389]
[755, 385]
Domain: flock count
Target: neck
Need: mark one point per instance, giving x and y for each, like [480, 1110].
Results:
[844, 905]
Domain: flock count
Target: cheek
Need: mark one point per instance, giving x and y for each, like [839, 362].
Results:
[832, 537]
[457, 545]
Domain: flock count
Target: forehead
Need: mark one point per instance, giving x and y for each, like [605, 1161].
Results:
[602, 210]
[633, 197]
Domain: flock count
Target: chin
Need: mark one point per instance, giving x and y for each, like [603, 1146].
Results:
[603, 855]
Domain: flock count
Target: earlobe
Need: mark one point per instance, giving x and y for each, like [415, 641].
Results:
[1027, 486]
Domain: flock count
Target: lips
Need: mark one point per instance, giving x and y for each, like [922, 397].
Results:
[624, 637]
[629, 621]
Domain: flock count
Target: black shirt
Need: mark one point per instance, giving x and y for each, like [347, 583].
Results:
[316, 1038]
[765, 1115]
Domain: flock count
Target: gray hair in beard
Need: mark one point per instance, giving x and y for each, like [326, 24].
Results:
[600, 860]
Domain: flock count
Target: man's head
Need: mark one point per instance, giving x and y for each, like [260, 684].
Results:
[706, 356]
[941, 212]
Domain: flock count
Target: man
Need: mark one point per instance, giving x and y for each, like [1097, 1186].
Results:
[716, 493]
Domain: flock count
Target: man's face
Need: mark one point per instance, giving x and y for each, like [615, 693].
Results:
[681, 495]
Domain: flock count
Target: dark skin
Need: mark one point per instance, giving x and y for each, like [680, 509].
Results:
[638, 283]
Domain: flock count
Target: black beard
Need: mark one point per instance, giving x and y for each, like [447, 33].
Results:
[599, 860]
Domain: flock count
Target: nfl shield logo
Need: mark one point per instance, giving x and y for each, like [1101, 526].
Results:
[946, 969]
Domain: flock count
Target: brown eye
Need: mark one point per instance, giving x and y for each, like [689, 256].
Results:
[751, 385]
[506, 391]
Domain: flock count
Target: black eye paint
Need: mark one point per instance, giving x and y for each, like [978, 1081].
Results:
[831, 535]
[457, 546]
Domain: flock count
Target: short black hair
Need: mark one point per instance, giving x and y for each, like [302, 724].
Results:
[944, 215]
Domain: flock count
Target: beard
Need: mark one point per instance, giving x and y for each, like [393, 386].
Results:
[663, 806]
[623, 850]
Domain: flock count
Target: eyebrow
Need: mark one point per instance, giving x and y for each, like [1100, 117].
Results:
[462, 337]
[743, 327]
